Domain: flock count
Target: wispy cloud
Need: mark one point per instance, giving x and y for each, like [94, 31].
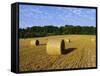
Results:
[45, 15]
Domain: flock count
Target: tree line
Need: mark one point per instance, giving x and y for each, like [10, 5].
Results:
[42, 31]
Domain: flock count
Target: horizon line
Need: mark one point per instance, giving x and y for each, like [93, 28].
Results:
[58, 26]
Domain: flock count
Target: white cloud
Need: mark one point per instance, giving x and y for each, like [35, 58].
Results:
[77, 11]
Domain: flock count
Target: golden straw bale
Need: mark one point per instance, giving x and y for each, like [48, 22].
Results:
[92, 39]
[55, 46]
[34, 42]
[67, 40]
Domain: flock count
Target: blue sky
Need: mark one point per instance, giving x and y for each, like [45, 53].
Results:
[32, 15]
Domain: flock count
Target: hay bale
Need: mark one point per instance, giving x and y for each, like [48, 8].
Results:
[92, 39]
[55, 46]
[34, 42]
[67, 40]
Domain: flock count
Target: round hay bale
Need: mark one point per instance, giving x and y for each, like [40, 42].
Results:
[92, 39]
[67, 40]
[55, 46]
[35, 42]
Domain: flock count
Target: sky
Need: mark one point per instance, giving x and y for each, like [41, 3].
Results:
[33, 15]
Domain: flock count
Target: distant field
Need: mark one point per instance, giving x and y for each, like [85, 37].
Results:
[82, 55]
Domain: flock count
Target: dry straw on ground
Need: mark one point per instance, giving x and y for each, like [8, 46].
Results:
[55, 46]
[35, 42]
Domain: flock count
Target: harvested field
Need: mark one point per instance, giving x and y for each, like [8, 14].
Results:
[79, 53]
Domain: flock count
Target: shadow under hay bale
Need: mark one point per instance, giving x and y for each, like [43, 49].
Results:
[42, 42]
[68, 50]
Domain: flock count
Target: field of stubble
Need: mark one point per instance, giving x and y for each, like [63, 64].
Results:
[82, 54]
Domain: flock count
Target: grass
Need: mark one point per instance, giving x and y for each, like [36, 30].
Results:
[82, 54]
